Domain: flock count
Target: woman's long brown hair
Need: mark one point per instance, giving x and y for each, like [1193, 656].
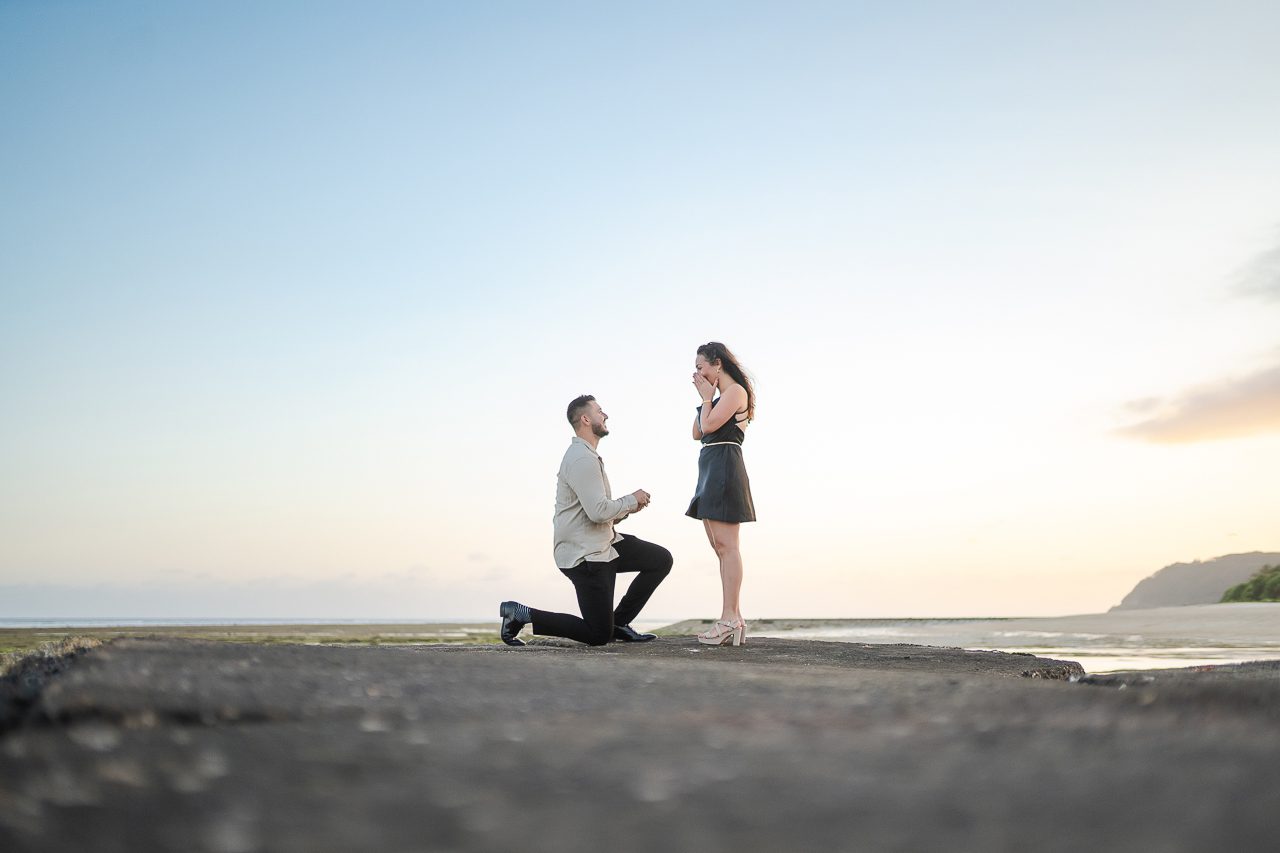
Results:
[715, 351]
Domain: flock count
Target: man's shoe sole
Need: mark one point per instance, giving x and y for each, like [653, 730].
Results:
[503, 614]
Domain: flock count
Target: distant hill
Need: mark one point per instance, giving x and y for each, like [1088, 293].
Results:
[1201, 582]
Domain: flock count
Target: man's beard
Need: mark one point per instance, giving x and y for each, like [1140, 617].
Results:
[599, 430]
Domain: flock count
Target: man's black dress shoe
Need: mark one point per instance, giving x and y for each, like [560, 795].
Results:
[510, 624]
[627, 634]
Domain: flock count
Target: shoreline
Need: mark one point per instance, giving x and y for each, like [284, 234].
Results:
[1240, 614]
[340, 633]
[1168, 637]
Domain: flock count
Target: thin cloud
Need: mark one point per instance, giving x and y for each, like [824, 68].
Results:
[1232, 408]
[1261, 277]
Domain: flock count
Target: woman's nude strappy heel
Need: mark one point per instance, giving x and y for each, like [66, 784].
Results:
[724, 632]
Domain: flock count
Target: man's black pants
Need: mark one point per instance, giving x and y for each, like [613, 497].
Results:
[594, 583]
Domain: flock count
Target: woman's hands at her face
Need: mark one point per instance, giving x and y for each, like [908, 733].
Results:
[705, 389]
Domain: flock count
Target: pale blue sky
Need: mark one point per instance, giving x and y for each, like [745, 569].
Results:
[296, 293]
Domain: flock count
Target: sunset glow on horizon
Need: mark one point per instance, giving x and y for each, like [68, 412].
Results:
[295, 298]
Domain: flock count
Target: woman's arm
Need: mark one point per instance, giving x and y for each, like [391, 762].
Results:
[697, 430]
[711, 419]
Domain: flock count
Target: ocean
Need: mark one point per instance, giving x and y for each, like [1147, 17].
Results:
[1097, 652]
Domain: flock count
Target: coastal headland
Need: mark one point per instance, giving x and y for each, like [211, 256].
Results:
[169, 744]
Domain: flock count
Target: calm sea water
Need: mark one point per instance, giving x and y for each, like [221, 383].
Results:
[1095, 652]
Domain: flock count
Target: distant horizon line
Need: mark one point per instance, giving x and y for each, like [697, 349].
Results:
[179, 621]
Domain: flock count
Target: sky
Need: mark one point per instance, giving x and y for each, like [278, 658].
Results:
[294, 296]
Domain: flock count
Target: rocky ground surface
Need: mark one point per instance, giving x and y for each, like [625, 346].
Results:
[782, 745]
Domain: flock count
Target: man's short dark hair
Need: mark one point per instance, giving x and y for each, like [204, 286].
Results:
[579, 407]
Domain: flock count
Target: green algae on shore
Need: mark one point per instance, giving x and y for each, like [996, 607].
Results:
[18, 640]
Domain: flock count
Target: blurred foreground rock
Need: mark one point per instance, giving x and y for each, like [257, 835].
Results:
[175, 745]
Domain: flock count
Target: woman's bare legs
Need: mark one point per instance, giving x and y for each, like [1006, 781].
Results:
[723, 536]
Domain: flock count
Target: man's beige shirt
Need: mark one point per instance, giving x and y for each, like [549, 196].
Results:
[585, 508]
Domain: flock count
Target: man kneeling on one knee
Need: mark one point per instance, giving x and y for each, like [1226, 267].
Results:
[589, 551]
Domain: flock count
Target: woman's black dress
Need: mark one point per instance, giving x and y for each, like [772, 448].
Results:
[724, 492]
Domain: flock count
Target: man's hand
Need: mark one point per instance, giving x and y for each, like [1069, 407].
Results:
[642, 499]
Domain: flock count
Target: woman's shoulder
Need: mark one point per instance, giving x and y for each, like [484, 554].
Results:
[735, 396]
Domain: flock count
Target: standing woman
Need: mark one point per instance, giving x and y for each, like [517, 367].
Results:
[723, 498]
